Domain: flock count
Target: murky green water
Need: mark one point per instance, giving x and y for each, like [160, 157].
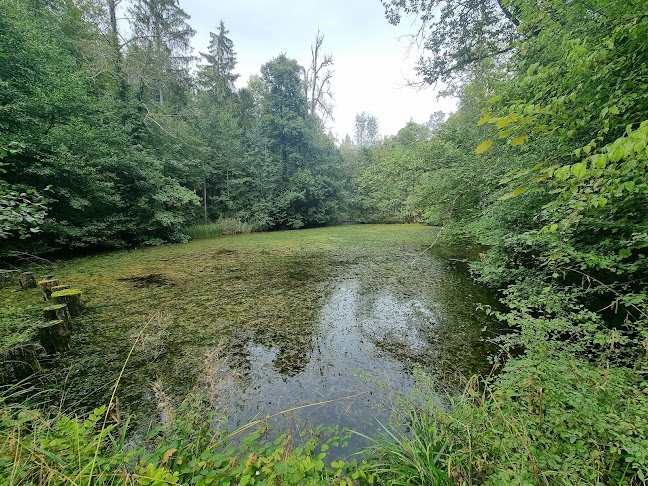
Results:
[272, 324]
[382, 317]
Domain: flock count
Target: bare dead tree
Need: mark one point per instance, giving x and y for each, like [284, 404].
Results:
[318, 82]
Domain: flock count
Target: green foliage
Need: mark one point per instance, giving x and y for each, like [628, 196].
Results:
[130, 150]
[545, 421]
[417, 456]
[228, 226]
[556, 143]
[57, 450]
[20, 211]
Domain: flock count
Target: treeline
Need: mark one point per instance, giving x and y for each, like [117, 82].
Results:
[119, 142]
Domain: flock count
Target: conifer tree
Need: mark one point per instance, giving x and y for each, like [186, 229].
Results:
[217, 75]
[161, 48]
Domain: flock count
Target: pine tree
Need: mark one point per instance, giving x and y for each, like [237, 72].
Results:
[217, 75]
[161, 48]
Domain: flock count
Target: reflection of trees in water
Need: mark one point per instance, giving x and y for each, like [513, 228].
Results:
[433, 298]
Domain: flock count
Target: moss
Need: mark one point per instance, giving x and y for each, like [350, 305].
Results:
[43, 282]
[66, 293]
[52, 324]
[55, 307]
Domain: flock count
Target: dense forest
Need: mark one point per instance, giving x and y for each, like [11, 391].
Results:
[109, 142]
[126, 142]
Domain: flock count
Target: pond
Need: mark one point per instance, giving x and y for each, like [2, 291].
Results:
[321, 326]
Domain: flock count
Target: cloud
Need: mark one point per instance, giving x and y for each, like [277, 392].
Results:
[371, 65]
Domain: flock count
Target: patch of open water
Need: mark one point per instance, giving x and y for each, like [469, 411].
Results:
[378, 323]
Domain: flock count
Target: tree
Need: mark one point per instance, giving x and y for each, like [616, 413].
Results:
[318, 82]
[458, 35]
[217, 75]
[160, 49]
[366, 132]
[304, 160]
[284, 113]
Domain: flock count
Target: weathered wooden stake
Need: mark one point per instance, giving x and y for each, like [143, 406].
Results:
[24, 360]
[27, 280]
[7, 277]
[71, 297]
[55, 337]
[58, 312]
[58, 288]
[46, 287]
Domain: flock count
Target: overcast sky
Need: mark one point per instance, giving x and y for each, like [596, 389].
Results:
[371, 64]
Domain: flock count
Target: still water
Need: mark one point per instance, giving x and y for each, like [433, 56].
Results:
[307, 327]
[381, 319]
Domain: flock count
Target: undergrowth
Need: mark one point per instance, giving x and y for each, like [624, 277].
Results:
[38, 448]
[226, 226]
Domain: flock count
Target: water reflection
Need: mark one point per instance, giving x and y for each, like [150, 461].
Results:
[378, 320]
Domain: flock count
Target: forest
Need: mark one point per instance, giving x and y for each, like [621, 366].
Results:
[109, 142]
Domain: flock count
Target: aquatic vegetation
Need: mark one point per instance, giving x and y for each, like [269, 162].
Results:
[295, 312]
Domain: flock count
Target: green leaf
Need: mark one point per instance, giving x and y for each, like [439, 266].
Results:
[504, 122]
[629, 186]
[484, 146]
[515, 193]
[579, 169]
[519, 140]
[484, 119]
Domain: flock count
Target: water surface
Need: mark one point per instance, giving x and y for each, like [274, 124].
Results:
[270, 324]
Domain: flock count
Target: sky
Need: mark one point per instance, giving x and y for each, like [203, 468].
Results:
[372, 62]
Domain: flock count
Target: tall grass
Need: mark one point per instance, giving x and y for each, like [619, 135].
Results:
[416, 454]
[225, 226]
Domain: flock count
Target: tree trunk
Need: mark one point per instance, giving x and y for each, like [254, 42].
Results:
[71, 297]
[205, 198]
[55, 337]
[58, 312]
[46, 287]
[24, 360]
[27, 281]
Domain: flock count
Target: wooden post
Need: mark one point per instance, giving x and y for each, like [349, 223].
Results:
[46, 277]
[46, 287]
[57, 288]
[71, 297]
[24, 360]
[7, 277]
[27, 280]
[58, 312]
[55, 337]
